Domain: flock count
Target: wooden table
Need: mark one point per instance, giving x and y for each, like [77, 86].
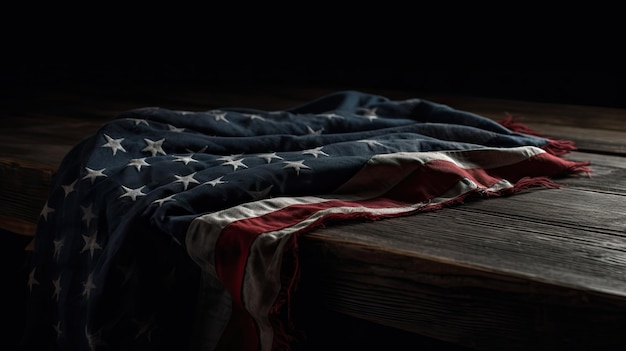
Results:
[544, 269]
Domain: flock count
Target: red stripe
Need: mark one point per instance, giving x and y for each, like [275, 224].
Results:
[425, 183]
[541, 165]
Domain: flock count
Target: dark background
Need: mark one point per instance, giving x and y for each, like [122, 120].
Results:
[572, 55]
[96, 53]
[581, 85]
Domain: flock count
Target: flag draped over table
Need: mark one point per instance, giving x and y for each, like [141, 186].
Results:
[166, 230]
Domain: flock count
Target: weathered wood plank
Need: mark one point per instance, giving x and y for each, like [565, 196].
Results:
[587, 139]
[24, 189]
[544, 268]
[464, 306]
[558, 238]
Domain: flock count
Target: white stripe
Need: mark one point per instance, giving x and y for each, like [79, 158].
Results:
[204, 231]
[261, 284]
[387, 170]
[384, 171]
[484, 158]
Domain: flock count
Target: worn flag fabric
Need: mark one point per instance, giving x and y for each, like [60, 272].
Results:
[169, 230]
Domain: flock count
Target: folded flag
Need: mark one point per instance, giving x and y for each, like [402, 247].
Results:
[167, 229]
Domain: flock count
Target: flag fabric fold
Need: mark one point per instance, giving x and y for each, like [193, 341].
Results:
[168, 229]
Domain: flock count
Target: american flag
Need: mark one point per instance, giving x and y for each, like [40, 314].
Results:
[167, 229]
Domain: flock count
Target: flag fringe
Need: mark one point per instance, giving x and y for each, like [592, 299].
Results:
[554, 147]
[512, 123]
[285, 334]
[529, 182]
[578, 168]
[559, 147]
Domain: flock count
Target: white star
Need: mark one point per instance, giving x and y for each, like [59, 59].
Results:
[132, 193]
[114, 144]
[297, 165]
[228, 158]
[330, 115]
[165, 199]
[93, 339]
[235, 163]
[215, 181]
[314, 132]
[220, 117]
[46, 211]
[185, 159]
[138, 163]
[88, 214]
[371, 143]
[91, 244]
[175, 129]
[57, 288]
[93, 174]
[370, 113]
[58, 244]
[253, 116]
[269, 157]
[315, 152]
[154, 147]
[139, 121]
[88, 285]
[186, 179]
[31, 279]
[69, 188]
[57, 329]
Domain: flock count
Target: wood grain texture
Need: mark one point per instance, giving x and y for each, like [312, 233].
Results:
[24, 188]
[544, 269]
[460, 305]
